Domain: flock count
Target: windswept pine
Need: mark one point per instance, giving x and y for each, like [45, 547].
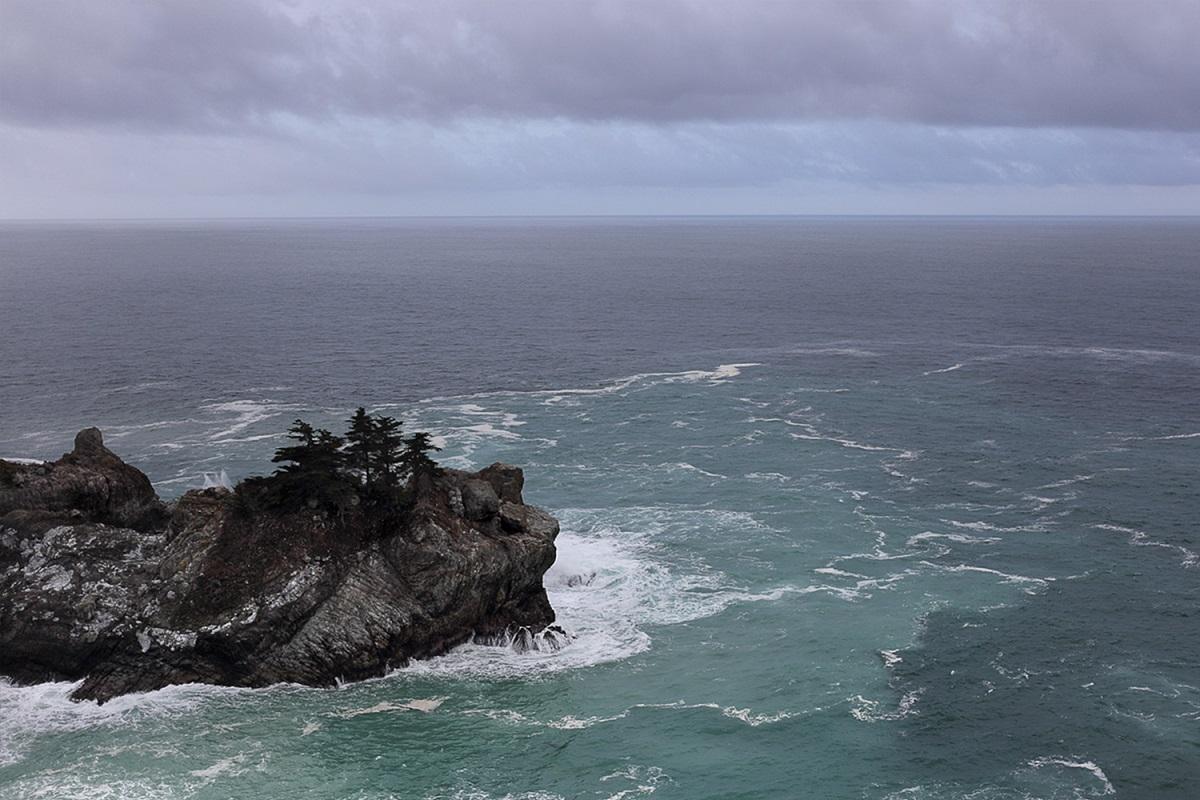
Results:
[374, 450]
[372, 463]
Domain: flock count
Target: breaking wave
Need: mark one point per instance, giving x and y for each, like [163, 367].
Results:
[610, 585]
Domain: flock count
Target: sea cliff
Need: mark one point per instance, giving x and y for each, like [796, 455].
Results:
[102, 581]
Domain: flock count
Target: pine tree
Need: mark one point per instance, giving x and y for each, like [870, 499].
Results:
[297, 455]
[319, 470]
[388, 449]
[360, 450]
[327, 458]
[312, 469]
[415, 459]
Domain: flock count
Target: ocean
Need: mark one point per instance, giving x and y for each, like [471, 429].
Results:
[894, 508]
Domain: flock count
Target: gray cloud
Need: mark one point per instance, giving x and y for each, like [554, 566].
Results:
[261, 107]
[240, 65]
[415, 159]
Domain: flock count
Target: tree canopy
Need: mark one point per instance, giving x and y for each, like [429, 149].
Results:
[373, 463]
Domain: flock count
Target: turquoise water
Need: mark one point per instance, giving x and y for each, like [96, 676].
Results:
[954, 555]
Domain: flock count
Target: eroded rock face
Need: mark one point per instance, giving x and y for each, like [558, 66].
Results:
[507, 480]
[90, 481]
[133, 596]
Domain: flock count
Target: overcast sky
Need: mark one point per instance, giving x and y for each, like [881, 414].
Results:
[179, 108]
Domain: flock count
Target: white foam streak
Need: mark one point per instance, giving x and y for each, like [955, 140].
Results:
[488, 429]
[1104, 353]
[683, 465]
[840, 573]
[768, 477]
[980, 525]
[475, 794]
[850, 443]
[960, 538]
[867, 710]
[721, 374]
[853, 352]
[1066, 482]
[424, 705]
[1007, 576]
[244, 439]
[1139, 538]
[746, 716]
[951, 368]
[1076, 762]
[246, 412]
[226, 766]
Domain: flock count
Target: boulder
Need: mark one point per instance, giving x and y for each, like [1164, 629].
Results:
[479, 499]
[507, 480]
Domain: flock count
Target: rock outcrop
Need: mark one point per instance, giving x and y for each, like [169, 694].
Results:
[100, 580]
[90, 481]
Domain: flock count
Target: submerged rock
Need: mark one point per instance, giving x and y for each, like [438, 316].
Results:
[99, 580]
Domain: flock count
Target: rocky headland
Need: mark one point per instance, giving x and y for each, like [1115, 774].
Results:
[102, 581]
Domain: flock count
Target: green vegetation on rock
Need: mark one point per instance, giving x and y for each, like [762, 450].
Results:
[372, 463]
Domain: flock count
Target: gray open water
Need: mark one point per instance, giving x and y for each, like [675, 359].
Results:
[852, 508]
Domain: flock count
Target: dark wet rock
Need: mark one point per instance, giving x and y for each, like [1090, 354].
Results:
[99, 581]
[516, 518]
[89, 483]
[479, 499]
[507, 480]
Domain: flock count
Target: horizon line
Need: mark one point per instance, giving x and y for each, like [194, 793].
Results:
[382, 217]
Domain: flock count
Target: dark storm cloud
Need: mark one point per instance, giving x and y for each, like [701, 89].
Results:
[233, 64]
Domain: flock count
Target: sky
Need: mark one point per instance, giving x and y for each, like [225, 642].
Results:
[266, 108]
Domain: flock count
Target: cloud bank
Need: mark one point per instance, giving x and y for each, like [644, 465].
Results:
[248, 98]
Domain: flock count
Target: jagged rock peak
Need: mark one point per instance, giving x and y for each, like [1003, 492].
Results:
[90, 483]
[90, 442]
